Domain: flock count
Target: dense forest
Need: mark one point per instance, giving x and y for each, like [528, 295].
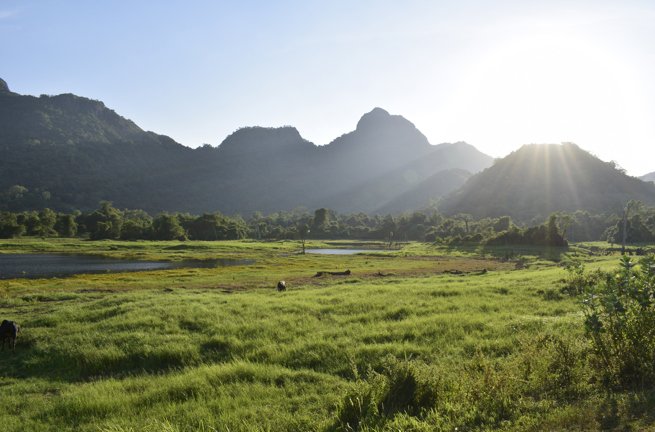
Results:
[108, 222]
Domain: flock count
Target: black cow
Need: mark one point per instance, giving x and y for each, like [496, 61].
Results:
[9, 330]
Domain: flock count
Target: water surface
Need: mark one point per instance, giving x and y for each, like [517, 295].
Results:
[36, 266]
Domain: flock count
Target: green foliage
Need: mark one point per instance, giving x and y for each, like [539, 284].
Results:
[66, 225]
[577, 280]
[9, 226]
[167, 227]
[48, 219]
[543, 235]
[620, 321]
[104, 223]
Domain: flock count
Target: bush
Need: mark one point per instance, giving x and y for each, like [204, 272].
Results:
[620, 321]
[576, 280]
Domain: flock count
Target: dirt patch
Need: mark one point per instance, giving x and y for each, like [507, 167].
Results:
[462, 267]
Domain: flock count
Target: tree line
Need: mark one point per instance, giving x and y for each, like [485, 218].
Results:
[107, 222]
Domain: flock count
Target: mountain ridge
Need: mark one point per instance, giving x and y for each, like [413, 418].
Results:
[67, 152]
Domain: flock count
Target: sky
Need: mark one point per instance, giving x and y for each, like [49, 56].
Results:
[496, 74]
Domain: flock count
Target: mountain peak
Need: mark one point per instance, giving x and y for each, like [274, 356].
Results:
[262, 139]
[4, 88]
[373, 118]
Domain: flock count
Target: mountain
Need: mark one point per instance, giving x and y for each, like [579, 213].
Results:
[648, 177]
[381, 191]
[545, 178]
[421, 194]
[68, 152]
[266, 170]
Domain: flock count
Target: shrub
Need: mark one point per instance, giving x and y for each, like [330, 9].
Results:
[620, 321]
[576, 280]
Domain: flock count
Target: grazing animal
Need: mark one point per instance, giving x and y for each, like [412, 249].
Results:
[282, 286]
[9, 330]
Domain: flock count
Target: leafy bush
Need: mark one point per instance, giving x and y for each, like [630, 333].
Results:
[620, 321]
[576, 280]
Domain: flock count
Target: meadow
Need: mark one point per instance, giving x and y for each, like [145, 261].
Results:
[424, 338]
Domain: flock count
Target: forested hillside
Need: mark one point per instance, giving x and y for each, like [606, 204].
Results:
[68, 153]
[546, 178]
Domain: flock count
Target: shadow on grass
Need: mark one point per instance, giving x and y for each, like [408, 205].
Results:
[611, 414]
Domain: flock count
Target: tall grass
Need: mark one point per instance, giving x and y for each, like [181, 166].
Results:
[415, 350]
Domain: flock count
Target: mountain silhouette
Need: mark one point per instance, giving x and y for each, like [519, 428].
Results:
[546, 178]
[68, 152]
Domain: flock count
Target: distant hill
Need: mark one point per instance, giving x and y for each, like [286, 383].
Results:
[68, 152]
[648, 177]
[542, 179]
[383, 190]
[420, 195]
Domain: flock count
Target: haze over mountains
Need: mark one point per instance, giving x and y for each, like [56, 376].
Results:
[68, 152]
[648, 177]
[546, 178]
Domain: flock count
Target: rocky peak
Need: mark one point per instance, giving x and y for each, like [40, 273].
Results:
[4, 88]
[374, 118]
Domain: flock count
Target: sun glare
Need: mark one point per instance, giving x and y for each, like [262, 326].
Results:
[549, 84]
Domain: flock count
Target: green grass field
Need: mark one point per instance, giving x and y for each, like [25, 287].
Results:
[399, 344]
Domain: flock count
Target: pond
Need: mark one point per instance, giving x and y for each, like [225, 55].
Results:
[341, 251]
[37, 266]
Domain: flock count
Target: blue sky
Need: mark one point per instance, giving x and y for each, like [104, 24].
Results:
[496, 74]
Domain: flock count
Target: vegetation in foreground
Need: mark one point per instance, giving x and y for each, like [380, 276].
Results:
[427, 338]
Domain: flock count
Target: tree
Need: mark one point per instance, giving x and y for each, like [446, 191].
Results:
[565, 221]
[502, 224]
[553, 237]
[105, 223]
[17, 190]
[66, 226]
[466, 218]
[48, 220]
[625, 213]
[303, 230]
[32, 224]
[9, 226]
[167, 227]
[320, 218]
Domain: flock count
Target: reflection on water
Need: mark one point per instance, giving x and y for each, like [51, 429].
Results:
[36, 266]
